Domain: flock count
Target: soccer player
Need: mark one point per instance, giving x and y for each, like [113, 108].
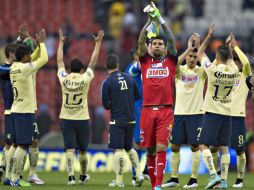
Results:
[216, 126]
[6, 88]
[158, 67]
[189, 82]
[119, 92]
[238, 111]
[24, 103]
[135, 71]
[74, 111]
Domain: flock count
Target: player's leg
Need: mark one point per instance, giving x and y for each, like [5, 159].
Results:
[193, 132]
[224, 142]
[116, 141]
[147, 140]
[238, 140]
[178, 137]
[133, 156]
[208, 136]
[83, 133]
[164, 124]
[33, 158]
[8, 142]
[216, 158]
[24, 134]
[70, 144]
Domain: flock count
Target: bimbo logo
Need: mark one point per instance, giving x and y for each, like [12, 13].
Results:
[157, 73]
[192, 79]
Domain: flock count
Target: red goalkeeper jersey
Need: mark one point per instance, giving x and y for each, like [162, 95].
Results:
[158, 79]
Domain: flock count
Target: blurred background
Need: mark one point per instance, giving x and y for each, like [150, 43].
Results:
[122, 21]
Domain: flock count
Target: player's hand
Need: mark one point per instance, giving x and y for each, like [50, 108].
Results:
[190, 42]
[99, 37]
[152, 10]
[229, 39]
[233, 41]
[211, 29]
[62, 37]
[23, 31]
[41, 37]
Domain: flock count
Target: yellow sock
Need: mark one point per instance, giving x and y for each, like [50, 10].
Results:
[241, 164]
[216, 161]
[135, 161]
[70, 163]
[195, 164]
[118, 165]
[33, 159]
[208, 160]
[174, 164]
[9, 162]
[83, 163]
[18, 160]
[225, 160]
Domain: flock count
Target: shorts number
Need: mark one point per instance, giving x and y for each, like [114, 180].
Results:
[36, 129]
[240, 139]
[199, 132]
[15, 90]
[123, 84]
[74, 100]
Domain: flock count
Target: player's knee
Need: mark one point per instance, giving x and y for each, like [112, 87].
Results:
[70, 150]
[151, 151]
[203, 147]
[214, 149]
[34, 143]
[175, 147]
[194, 148]
[239, 152]
[161, 148]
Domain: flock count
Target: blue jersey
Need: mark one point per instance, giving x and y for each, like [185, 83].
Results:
[6, 86]
[119, 92]
[135, 72]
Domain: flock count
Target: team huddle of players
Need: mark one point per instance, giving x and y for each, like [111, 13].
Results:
[208, 124]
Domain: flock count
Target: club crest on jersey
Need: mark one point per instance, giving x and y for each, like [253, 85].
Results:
[157, 71]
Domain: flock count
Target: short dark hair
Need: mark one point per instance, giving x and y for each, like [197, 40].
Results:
[223, 52]
[10, 48]
[158, 38]
[76, 66]
[21, 51]
[112, 61]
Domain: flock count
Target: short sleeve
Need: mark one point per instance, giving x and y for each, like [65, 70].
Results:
[206, 63]
[61, 74]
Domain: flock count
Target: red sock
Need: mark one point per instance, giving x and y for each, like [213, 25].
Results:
[160, 166]
[151, 169]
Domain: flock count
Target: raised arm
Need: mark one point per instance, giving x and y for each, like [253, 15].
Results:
[62, 37]
[142, 48]
[98, 40]
[243, 58]
[201, 51]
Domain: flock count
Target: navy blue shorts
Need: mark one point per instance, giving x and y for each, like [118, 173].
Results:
[238, 137]
[121, 137]
[9, 130]
[186, 129]
[216, 130]
[76, 134]
[24, 127]
[138, 107]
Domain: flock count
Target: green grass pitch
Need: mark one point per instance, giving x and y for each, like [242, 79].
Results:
[99, 181]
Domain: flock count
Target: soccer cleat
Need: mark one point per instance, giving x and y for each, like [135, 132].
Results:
[139, 181]
[146, 175]
[191, 184]
[21, 183]
[84, 179]
[157, 187]
[223, 185]
[114, 184]
[71, 180]
[173, 182]
[2, 170]
[214, 181]
[238, 183]
[35, 179]
[133, 181]
[7, 182]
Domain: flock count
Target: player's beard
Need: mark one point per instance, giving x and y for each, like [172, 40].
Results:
[157, 54]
